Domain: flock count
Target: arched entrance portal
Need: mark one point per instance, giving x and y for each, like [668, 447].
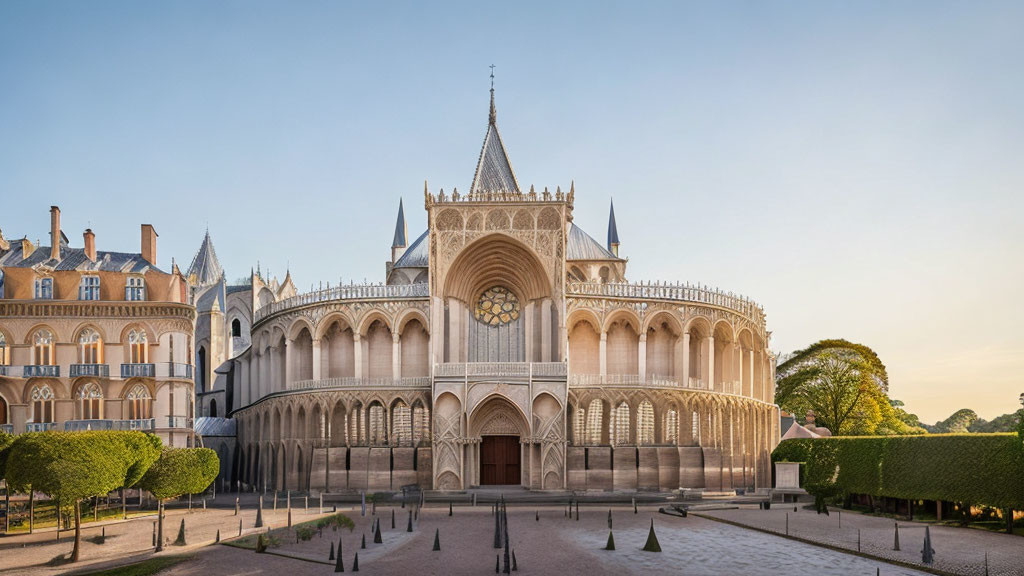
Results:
[499, 425]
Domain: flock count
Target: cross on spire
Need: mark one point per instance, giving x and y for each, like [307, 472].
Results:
[494, 113]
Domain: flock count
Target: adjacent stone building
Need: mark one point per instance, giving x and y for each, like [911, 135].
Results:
[94, 340]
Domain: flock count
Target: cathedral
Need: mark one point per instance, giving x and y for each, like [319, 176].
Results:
[505, 346]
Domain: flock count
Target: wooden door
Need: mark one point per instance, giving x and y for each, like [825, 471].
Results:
[499, 460]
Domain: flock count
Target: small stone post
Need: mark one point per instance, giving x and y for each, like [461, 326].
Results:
[237, 507]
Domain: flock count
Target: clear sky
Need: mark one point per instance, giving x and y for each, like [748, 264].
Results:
[856, 167]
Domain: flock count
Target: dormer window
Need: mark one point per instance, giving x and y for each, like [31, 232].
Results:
[44, 288]
[135, 290]
[89, 289]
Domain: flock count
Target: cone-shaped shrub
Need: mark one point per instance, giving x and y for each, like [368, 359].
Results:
[537, 517]
[497, 563]
[355, 563]
[376, 535]
[449, 507]
[362, 545]
[180, 541]
[896, 540]
[392, 519]
[609, 518]
[339, 564]
[409, 527]
[218, 536]
[331, 557]
[611, 542]
[515, 565]
[652, 540]
[437, 540]
[927, 553]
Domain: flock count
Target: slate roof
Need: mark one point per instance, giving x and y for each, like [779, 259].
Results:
[75, 259]
[207, 426]
[613, 230]
[493, 171]
[417, 255]
[205, 265]
[580, 246]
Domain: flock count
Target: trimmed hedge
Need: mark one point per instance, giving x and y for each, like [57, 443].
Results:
[979, 469]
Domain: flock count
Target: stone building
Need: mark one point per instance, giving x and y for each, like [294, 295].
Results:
[505, 346]
[94, 340]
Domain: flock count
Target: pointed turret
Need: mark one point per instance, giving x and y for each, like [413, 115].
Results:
[613, 231]
[400, 228]
[493, 170]
[205, 268]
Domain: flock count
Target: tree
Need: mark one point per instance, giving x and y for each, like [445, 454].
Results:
[179, 471]
[959, 422]
[69, 467]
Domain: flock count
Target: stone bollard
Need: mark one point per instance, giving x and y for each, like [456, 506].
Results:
[237, 507]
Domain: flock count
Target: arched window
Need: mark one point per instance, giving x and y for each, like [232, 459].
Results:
[201, 370]
[618, 425]
[420, 424]
[401, 424]
[140, 403]
[4, 356]
[378, 426]
[579, 427]
[42, 403]
[138, 347]
[42, 347]
[90, 347]
[595, 413]
[90, 400]
[236, 328]
[645, 423]
[695, 429]
[671, 429]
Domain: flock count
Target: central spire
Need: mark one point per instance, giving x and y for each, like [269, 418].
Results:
[493, 171]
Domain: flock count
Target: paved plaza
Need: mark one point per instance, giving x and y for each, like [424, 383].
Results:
[551, 545]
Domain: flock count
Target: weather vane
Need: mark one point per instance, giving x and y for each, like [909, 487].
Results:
[492, 76]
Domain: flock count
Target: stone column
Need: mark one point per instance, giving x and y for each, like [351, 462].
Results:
[686, 359]
[287, 362]
[454, 334]
[641, 360]
[739, 367]
[545, 330]
[396, 356]
[528, 320]
[603, 353]
[316, 359]
[750, 389]
[710, 343]
[357, 354]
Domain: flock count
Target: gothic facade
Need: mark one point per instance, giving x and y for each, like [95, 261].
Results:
[505, 346]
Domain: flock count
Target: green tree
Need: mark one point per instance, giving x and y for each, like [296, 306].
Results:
[959, 422]
[5, 443]
[179, 471]
[69, 467]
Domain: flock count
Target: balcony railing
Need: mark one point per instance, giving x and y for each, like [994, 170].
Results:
[138, 370]
[83, 425]
[521, 370]
[675, 292]
[178, 370]
[634, 380]
[144, 424]
[40, 426]
[40, 370]
[179, 422]
[9, 428]
[94, 370]
[3, 370]
[350, 382]
[349, 292]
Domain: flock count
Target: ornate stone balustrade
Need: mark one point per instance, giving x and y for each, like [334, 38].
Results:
[342, 293]
[583, 380]
[352, 382]
[516, 370]
[679, 292]
[505, 196]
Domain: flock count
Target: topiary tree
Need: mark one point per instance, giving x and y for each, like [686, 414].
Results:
[69, 467]
[179, 471]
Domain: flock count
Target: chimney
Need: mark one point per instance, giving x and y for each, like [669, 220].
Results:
[54, 233]
[149, 236]
[90, 244]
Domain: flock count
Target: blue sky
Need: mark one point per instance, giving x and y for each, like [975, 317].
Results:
[854, 167]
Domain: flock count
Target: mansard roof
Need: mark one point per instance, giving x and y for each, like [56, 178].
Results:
[581, 246]
[493, 170]
[205, 265]
[75, 259]
[417, 255]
